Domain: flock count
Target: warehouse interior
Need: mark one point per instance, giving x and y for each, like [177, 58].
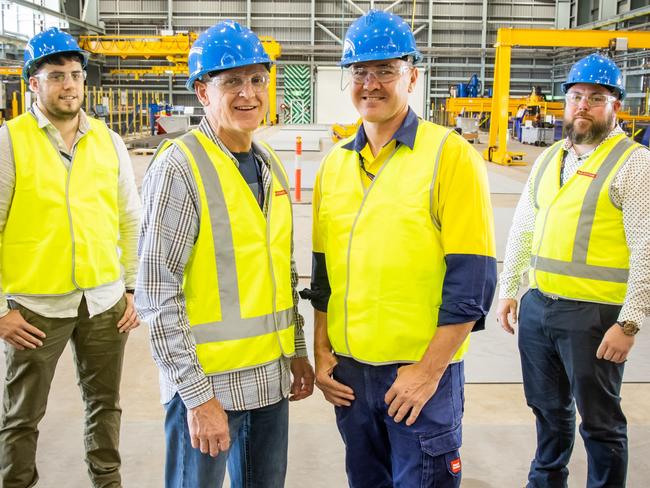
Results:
[492, 69]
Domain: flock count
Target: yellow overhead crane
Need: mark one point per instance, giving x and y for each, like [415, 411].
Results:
[507, 38]
[175, 49]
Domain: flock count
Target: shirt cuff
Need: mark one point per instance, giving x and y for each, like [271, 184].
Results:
[630, 314]
[300, 344]
[195, 392]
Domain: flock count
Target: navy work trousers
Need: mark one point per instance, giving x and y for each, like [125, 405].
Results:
[558, 340]
[380, 453]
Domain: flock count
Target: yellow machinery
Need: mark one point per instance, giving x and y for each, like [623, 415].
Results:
[507, 38]
[341, 131]
[478, 106]
[172, 48]
[13, 71]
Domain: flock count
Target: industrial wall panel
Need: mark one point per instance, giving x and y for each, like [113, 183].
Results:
[281, 7]
[457, 8]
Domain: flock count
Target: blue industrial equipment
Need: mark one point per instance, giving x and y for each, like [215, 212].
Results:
[470, 89]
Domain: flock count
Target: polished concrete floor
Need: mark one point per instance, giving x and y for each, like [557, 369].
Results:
[499, 429]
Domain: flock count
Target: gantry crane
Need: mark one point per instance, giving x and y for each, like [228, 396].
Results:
[507, 38]
[174, 49]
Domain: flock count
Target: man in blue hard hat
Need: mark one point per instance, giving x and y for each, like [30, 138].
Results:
[403, 271]
[69, 217]
[581, 229]
[217, 278]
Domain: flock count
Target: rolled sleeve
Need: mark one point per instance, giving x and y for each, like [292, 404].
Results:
[468, 289]
[462, 206]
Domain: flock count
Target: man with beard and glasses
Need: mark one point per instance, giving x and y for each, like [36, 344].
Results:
[69, 216]
[582, 230]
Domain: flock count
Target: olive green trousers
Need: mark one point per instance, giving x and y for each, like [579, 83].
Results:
[98, 350]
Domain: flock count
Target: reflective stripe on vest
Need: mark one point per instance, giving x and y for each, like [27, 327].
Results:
[578, 265]
[62, 231]
[232, 325]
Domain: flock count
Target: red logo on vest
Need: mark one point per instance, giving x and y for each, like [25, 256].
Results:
[455, 466]
[279, 193]
[584, 173]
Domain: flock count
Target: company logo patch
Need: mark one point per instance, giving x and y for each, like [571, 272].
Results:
[279, 193]
[455, 466]
[585, 173]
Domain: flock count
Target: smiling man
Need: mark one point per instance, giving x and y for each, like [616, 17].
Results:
[217, 278]
[403, 270]
[69, 216]
[582, 230]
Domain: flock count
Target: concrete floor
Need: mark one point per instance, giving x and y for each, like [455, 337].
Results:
[499, 428]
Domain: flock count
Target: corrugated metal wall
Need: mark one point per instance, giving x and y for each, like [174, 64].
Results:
[452, 41]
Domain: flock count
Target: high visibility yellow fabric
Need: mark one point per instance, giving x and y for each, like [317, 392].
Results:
[579, 247]
[384, 249]
[255, 281]
[62, 229]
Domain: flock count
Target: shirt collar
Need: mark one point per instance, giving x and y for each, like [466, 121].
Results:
[404, 135]
[44, 122]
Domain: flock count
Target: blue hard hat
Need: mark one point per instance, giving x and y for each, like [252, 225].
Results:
[47, 43]
[225, 45]
[596, 69]
[378, 35]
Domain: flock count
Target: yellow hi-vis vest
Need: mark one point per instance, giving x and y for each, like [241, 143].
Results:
[62, 228]
[237, 281]
[579, 249]
[383, 252]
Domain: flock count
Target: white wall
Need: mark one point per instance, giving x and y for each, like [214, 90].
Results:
[335, 106]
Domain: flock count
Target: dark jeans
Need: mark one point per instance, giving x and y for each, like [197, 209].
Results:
[558, 340]
[257, 457]
[380, 453]
[98, 350]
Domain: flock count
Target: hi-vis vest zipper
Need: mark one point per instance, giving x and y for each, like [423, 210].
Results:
[386, 285]
[237, 281]
[579, 249]
[62, 229]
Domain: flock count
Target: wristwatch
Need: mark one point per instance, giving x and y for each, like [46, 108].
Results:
[629, 328]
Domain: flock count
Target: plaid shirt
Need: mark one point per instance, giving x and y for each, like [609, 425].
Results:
[170, 226]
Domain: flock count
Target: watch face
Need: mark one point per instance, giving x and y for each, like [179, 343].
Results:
[630, 328]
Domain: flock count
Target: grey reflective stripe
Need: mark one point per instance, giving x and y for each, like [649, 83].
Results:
[434, 219]
[588, 211]
[579, 270]
[221, 230]
[542, 168]
[242, 328]
[232, 326]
